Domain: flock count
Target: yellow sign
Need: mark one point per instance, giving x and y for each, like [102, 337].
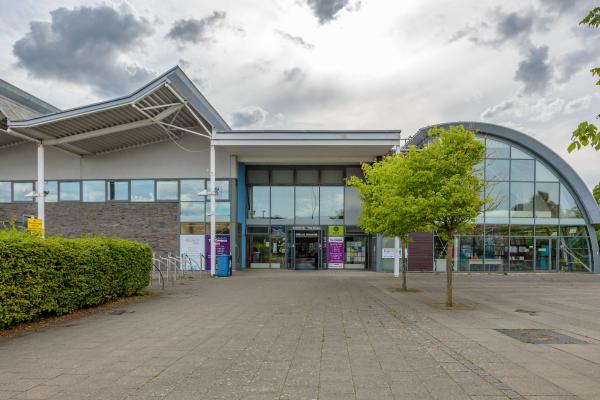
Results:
[35, 225]
[336, 230]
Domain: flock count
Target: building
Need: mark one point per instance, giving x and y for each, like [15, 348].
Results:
[138, 167]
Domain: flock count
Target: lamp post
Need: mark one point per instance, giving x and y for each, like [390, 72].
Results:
[213, 221]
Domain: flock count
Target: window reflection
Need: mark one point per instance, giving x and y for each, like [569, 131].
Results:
[546, 200]
[69, 191]
[190, 188]
[142, 190]
[5, 192]
[499, 204]
[497, 170]
[522, 170]
[166, 190]
[521, 199]
[496, 149]
[331, 205]
[51, 191]
[118, 190]
[258, 202]
[192, 211]
[307, 204]
[21, 190]
[94, 191]
[568, 207]
[282, 204]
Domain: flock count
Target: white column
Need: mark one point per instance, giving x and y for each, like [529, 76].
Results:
[41, 186]
[213, 220]
[396, 257]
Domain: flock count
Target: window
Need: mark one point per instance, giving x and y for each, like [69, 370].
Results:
[258, 202]
[193, 228]
[93, 191]
[142, 190]
[5, 192]
[21, 190]
[222, 188]
[499, 204]
[521, 199]
[167, 190]
[282, 204]
[118, 190]
[69, 191]
[352, 205]
[497, 170]
[568, 207]
[282, 177]
[543, 174]
[258, 176]
[546, 200]
[332, 205]
[307, 204]
[222, 211]
[332, 177]
[307, 177]
[522, 170]
[520, 154]
[51, 191]
[192, 211]
[190, 188]
[496, 149]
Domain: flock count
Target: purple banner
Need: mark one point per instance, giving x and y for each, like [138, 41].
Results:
[335, 252]
[222, 247]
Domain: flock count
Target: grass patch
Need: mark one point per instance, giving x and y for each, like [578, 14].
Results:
[400, 290]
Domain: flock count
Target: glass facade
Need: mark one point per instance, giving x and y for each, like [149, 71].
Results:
[532, 222]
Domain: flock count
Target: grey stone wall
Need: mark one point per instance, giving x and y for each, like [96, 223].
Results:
[156, 224]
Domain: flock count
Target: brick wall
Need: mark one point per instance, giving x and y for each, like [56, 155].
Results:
[153, 223]
[420, 252]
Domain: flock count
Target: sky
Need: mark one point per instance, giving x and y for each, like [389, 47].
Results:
[324, 64]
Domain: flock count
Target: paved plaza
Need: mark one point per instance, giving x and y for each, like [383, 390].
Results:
[321, 335]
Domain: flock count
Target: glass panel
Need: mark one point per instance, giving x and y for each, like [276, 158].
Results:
[575, 254]
[118, 190]
[332, 177]
[282, 177]
[517, 153]
[222, 211]
[521, 254]
[355, 252]
[307, 177]
[69, 191]
[257, 251]
[307, 204]
[499, 204]
[257, 229]
[354, 171]
[496, 230]
[546, 200]
[222, 188]
[332, 205]
[573, 231]
[522, 170]
[51, 191]
[93, 191]
[258, 176]
[193, 228]
[521, 230]
[568, 207]
[277, 230]
[545, 254]
[222, 228]
[192, 211]
[278, 252]
[546, 230]
[282, 205]
[352, 205]
[497, 170]
[166, 190]
[543, 174]
[470, 256]
[496, 253]
[189, 189]
[496, 149]
[142, 190]
[258, 202]
[521, 199]
[5, 192]
[21, 190]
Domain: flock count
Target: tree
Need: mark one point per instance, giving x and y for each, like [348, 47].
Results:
[597, 193]
[385, 193]
[449, 191]
[587, 134]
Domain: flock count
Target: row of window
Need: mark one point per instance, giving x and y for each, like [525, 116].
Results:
[300, 176]
[97, 191]
[517, 170]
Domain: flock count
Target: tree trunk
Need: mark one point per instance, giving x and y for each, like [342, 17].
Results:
[449, 271]
[404, 245]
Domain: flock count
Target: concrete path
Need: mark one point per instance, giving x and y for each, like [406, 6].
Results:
[321, 335]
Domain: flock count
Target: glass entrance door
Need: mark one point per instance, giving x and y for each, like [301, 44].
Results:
[306, 250]
[545, 254]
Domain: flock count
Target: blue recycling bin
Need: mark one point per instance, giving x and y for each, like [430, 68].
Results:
[223, 265]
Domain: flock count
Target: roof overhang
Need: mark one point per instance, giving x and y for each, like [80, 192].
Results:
[168, 108]
[323, 147]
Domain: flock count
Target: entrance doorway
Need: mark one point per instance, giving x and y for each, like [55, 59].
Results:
[545, 254]
[306, 250]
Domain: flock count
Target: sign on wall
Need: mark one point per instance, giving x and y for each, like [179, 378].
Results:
[193, 246]
[336, 230]
[35, 225]
[223, 246]
[388, 252]
[335, 252]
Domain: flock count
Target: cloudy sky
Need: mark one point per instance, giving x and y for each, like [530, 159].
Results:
[323, 64]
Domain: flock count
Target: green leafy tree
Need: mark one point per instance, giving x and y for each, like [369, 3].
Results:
[387, 208]
[587, 134]
[449, 193]
[597, 193]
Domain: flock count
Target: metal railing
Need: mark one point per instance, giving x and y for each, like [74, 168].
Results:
[169, 268]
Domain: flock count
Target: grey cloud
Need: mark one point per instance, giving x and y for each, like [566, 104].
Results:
[513, 24]
[501, 28]
[575, 105]
[296, 40]
[535, 72]
[327, 10]
[575, 62]
[294, 74]
[248, 117]
[83, 45]
[195, 30]
[497, 110]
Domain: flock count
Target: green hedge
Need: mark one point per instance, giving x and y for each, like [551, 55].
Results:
[55, 276]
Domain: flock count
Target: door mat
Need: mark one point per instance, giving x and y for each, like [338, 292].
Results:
[540, 336]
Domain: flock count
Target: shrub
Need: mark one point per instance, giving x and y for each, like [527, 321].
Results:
[55, 276]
